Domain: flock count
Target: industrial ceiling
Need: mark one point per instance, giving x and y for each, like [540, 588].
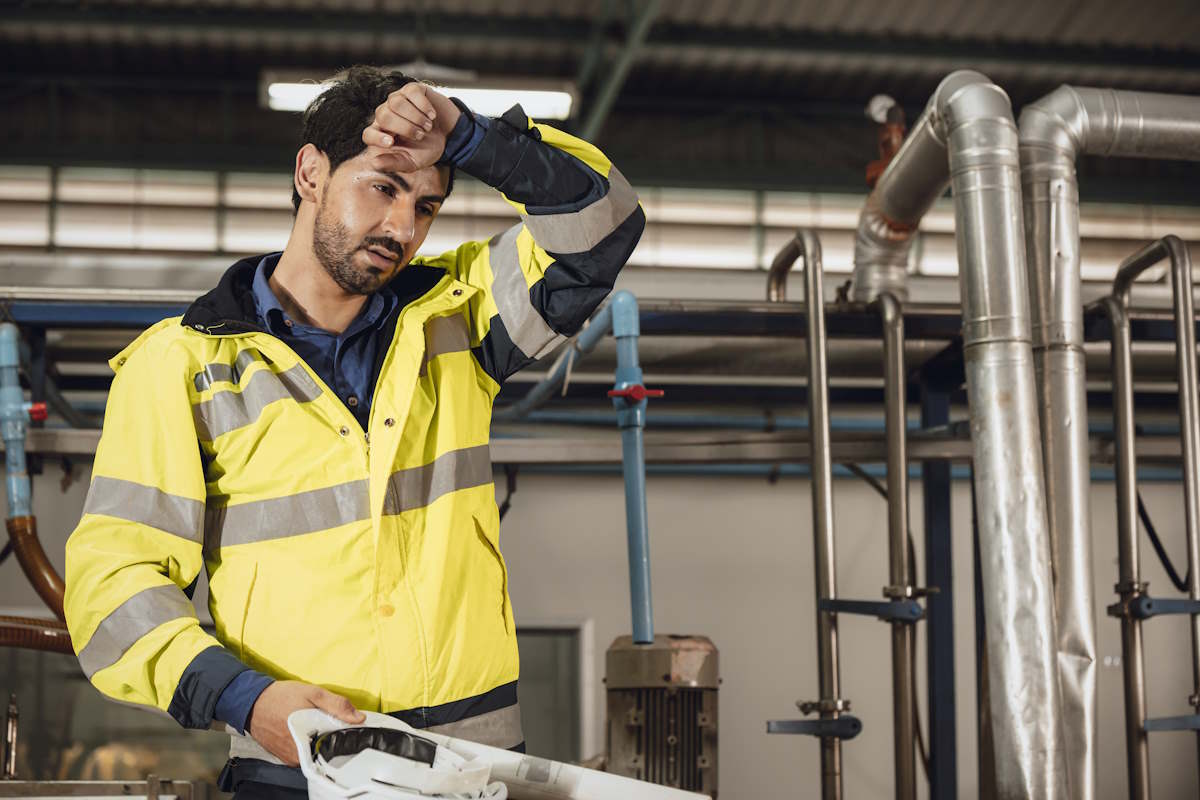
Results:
[766, 94]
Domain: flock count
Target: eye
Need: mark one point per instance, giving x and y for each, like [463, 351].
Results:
[425, 211]
[386, 188]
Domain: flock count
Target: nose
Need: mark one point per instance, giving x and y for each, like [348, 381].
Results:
[401, 221]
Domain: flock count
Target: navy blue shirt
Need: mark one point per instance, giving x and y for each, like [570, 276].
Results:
[346, 364]
[345, 361]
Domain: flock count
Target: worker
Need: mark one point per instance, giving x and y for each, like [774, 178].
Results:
[313, 433]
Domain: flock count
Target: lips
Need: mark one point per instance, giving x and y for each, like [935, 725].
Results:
[382, 257]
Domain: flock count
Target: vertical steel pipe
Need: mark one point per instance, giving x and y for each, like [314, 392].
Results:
[1051, 206]
[1053, 131]
[1014, 541]
[11, 722]
[1189, 426]
[824, 556]
[899, 568]
[1137, 749]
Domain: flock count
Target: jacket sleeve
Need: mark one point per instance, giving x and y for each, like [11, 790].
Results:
[543, 278]
[134, 557]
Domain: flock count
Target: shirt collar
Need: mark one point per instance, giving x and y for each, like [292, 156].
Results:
[374, 312]
[266, 304]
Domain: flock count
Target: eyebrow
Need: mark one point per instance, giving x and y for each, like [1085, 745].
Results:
[394, 177]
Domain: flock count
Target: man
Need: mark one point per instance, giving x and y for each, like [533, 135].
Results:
[314, 433]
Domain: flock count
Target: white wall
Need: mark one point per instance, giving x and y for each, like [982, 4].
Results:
[732, 560]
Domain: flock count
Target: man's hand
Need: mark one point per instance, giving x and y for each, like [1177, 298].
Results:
[268, 717]
[412, 126]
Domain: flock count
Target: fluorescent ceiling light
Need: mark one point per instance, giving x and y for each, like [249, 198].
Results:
[541, 100]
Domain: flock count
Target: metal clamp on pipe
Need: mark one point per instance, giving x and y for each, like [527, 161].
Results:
[886, 610]
[845, 727]
[1144, 606]
[1187, 722]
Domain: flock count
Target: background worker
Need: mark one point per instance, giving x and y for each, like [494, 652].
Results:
[314, 433]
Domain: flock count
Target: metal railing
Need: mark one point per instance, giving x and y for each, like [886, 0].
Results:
[1135, 603]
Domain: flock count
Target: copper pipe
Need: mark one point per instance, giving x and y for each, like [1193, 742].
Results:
[35, 634]
[32, 557]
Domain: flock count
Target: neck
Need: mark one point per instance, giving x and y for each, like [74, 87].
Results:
[308, 294]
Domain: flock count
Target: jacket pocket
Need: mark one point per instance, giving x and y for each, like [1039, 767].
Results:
[246, 599]
[505, 609]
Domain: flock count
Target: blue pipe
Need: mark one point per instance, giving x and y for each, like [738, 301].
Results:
[631, 419]
[958, 472]
[14, 417]
[762, 422]
[620, 317]
[596, 330]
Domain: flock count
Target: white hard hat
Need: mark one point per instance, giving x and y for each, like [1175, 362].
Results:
[383, 758]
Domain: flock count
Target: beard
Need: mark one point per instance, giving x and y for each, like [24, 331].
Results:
[333, 248]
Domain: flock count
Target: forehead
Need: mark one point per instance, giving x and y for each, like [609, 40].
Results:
[375, 162]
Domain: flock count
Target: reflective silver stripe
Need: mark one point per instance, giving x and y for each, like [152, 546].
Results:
[293, 515]
[213, 373]
[526, 327]
[136, 502]
[419, 486]
[499, 728]
[227, 411]
[129, 622]
[580, 231]
[445, 335]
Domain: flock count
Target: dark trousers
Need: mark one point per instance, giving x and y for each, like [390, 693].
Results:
[253, 790]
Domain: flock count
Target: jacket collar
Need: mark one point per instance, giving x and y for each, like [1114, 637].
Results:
[229, 307]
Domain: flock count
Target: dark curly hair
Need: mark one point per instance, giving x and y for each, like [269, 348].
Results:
[335, 120]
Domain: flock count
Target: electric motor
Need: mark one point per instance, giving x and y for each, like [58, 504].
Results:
[662, 711]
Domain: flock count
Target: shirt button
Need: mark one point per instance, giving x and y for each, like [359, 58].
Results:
[389, 422]
[386, 610]
[352, 401]
[344, 431]
[457, 292]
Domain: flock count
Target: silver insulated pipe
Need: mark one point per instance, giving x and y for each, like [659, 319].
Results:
[1053, 131]
[967, 137]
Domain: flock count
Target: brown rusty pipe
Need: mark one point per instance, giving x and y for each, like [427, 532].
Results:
[35, 634]
[22, 531]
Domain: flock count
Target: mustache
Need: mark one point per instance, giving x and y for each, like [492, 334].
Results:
[387, 243]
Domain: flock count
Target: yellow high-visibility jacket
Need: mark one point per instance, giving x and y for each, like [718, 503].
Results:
[366, 562]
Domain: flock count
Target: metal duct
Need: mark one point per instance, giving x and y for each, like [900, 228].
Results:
[967, 136]
[1053, 131]
[915, 178]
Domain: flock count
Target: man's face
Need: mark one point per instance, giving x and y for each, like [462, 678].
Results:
[372, 219]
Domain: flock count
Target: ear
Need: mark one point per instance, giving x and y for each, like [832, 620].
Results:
[312, 169]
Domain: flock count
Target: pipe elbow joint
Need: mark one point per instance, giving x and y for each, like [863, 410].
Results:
[1057, 121]
[625, 318]
[948, 93]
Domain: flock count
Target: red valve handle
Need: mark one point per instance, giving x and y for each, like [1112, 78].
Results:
[635, 393]
[38, 412]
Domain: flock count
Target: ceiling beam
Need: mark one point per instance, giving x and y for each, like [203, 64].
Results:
[808, 46]
[615, 79]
